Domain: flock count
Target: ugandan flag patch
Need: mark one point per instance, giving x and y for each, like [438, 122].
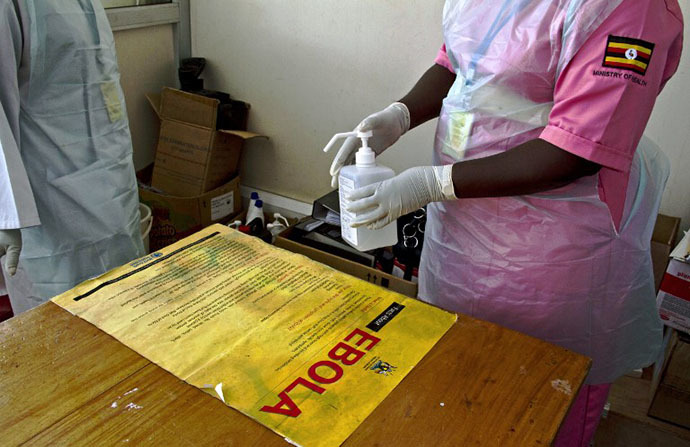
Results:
[628, 54]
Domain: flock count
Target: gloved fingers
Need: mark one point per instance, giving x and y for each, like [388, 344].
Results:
[11, 246]
[390, 117]
[384, 136]
[344, 156]
[363, 205]
[361, 193]
[364, 199]
[12, 259]
[371, 219]
[369, 123]
[378, 224]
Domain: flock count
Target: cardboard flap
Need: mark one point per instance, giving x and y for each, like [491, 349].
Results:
[327, 208]
[189, 108]
[192, 109]
[682, 250]
[666, 229]
[155, 100]
[243, 134]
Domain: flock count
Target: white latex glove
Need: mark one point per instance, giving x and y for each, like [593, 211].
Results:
[11, 245]
[381, 203]
[387, 125]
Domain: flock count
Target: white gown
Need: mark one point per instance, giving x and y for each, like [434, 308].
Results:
[66, 170]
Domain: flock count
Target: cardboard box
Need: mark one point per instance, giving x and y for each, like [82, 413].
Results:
[192, 157]
[673, 299]
[663, 240]
[175, 218]
[352, 268]
[671, 387]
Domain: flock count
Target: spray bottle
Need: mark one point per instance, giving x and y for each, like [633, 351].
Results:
[252, 199]
[364, 172]
[277, 226]
[255, 217]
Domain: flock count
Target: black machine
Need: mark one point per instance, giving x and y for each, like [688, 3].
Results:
[232, 114]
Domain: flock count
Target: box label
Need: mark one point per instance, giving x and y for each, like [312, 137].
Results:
[673, 299]
[222, 205]
[348, 233]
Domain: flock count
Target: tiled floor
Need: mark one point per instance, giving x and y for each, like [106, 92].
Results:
[627, 423]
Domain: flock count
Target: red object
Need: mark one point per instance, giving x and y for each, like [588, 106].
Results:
[583, 417]
[5, 308]
[676, 286]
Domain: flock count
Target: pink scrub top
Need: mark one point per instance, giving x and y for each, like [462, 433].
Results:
[600, 109]
[571, 265]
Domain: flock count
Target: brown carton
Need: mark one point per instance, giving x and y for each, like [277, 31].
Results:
[175, 218]
[663, 241]
[344, 265]
[671, 385]
[192, 157]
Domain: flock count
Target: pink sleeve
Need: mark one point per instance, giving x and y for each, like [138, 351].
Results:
[442, 59]
[605, 95]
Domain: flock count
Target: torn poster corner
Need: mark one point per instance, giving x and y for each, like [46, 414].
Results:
[219, 391]
[290, 441]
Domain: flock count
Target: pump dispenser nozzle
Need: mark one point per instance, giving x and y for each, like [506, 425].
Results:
[365, 155]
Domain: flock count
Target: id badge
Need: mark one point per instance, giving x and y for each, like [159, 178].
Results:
[111, 98]
[458, 134]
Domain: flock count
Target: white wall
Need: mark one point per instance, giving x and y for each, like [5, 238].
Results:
[146, 58]
[669, 126]
[313, 68]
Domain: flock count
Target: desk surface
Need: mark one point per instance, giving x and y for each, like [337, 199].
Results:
[63, 382]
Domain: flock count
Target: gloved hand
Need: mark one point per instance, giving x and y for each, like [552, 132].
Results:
[387, 125]
[11, 244]
[379, 204]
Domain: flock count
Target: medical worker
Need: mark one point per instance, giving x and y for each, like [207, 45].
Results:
[543, 193]
[68, 195]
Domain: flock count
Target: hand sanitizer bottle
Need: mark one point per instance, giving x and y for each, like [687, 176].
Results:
[364, 172]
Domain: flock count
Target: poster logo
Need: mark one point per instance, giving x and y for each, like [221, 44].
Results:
[628, 54]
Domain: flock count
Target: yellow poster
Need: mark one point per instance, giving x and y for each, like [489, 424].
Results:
[307, 351]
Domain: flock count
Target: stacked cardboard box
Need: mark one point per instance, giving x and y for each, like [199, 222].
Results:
[195, 180]
[360, 271]
[671, 384]
[663, 239]
[673, 299]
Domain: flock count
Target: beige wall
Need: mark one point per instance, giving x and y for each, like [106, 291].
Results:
[146, 58]
[311, 69]
[670, 128]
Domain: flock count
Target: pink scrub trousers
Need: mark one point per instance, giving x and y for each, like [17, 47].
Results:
[583, 418]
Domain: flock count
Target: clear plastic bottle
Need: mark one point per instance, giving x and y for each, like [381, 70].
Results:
[364, 172]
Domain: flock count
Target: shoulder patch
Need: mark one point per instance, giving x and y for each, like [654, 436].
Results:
[628, 54]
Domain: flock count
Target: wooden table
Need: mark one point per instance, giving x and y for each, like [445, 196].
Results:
[63, 383]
